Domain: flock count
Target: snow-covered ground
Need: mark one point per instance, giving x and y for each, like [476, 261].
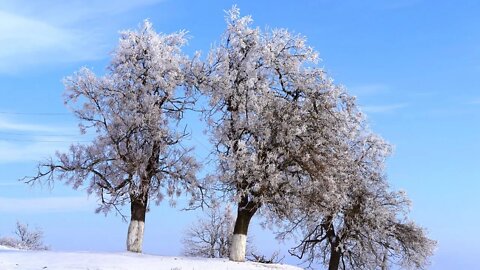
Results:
[3, 248]
[11, 259]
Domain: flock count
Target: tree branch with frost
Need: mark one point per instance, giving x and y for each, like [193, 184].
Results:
[25, 238]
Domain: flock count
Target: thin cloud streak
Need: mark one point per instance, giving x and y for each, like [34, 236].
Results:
[9, 125]
[46, 205]
[369, 89]
[396, 5]
[10, 184]
[384, 108]
[73, 11]
[475, 101]
[37, 142]
[31, 147]
[11, 152]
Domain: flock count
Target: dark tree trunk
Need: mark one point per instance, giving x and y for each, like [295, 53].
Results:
[243, 221]
[138, 209]
[335, 254]
[334, 258]
[245, 212]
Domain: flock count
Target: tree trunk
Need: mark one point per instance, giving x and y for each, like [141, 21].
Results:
[335, 254]
[138, 209]
[334, 257]
[138, 204]
[385, 261]
[246, 210]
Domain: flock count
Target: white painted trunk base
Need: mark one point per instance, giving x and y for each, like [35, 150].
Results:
[135, 236]
[238, 248]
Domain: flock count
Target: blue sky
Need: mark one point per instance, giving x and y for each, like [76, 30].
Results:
[414, 66]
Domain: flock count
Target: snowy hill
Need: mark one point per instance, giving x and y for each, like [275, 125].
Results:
[3, 248]
[50, 260]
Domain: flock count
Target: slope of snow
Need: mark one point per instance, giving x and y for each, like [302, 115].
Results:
[3, 248]
[49, 260]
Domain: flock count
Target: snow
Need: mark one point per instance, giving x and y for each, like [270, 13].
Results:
[33, 260]
[3, 248]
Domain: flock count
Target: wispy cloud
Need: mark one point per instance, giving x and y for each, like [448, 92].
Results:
[67, 12]
[27, 43]
[46, 205]
[9, 125]
[368, 89]
[21, 142]
[474, 101]
[384, 108]
[10, 184]
[37, 33]
[399, 4]
[21, 151]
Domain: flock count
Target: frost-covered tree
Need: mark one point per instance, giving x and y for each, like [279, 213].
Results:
[211, 236]
[257, 82]
[134, 110]
[25, 238]
[347, 216]
[288, 140]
